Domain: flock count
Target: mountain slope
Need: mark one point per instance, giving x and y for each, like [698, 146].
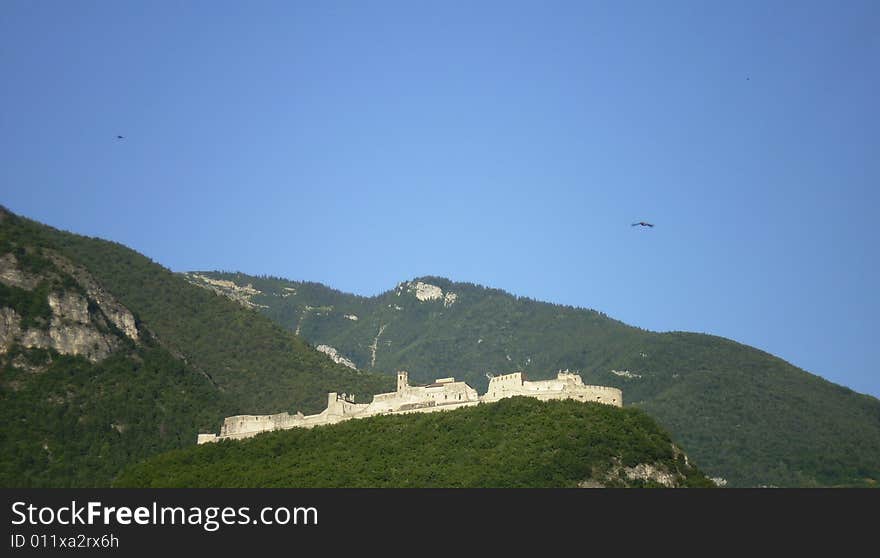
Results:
[107, 357]
[518, 442]
[742, 414]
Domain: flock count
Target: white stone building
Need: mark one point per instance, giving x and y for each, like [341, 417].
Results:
[565, 386]
[444, 394]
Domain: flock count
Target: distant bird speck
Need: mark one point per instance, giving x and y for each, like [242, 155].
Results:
[642, 224]
[120, 137]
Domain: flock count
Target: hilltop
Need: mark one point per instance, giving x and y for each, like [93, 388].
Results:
[518, 442]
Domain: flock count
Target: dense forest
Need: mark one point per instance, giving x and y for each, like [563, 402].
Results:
[72, 421]
[743, 414]
[517, 442]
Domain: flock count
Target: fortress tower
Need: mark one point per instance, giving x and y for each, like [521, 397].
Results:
[402, 380]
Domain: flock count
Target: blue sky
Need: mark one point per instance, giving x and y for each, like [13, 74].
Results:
[510, 144]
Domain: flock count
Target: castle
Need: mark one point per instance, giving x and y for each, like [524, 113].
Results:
[444, 394]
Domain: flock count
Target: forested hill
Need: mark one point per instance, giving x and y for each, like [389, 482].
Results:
[107, 358]
[517, 442]
[743, 414]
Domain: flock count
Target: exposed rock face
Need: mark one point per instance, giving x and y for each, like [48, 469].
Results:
[10, 328]
[69, 307]
[449, 299]
[645, 472]
[11, 275]
[626, 374]
[658, 473]
[375, 346]
[335, 356]
[118, 314]
[677, 452]
[648, 472]
[426, 292]
[230, 289]
[74, 327]
[71, 331]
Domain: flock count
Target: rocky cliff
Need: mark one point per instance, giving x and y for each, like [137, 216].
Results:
[83, 319]
[106, 358]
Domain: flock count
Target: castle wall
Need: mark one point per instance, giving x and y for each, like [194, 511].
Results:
[564, 386]
[444, 394]
[244, 424]
[501, 386]
[435, 408]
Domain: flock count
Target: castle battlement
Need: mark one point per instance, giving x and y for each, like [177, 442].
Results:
[443, 394]
[566, 386]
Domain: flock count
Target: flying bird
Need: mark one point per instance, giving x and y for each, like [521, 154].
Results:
[120, 137]
[642, 224]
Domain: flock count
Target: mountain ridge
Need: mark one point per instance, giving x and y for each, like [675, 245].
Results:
[743, 413]
[76, 418]
[107, 357]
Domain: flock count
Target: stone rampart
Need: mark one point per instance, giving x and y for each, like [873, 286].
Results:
[444, 394]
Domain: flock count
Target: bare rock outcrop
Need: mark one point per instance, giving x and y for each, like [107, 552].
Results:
[118, 314]
[335, 356]
[71, 330]
[12, 275]
[79, 316]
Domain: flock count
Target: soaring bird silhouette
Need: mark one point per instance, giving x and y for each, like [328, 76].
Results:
[120, 137]
[642, 224]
